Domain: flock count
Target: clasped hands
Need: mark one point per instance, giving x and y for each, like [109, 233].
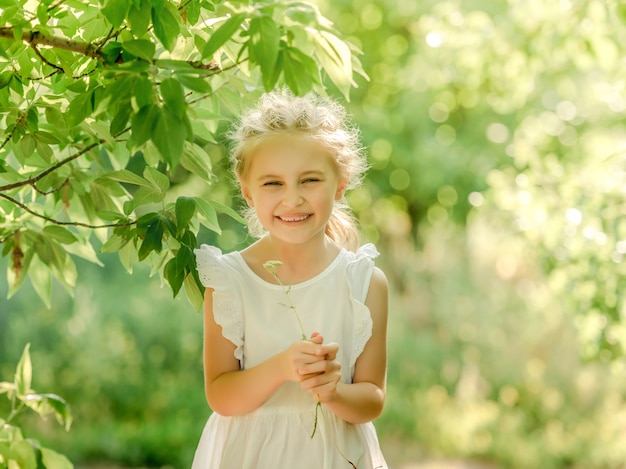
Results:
[314, 365]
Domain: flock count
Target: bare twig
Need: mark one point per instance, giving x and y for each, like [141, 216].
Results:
[44, 60]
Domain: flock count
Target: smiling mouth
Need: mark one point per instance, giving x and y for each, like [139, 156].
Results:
[294, 219]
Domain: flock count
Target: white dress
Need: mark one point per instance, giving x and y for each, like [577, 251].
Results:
[254, 318]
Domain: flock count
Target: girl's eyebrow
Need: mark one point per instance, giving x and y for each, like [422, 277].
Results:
[310, 172]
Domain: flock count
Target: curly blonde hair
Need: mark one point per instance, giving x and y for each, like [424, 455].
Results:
[314, 117]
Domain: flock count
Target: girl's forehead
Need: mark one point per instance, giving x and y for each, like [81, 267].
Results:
[289, 152]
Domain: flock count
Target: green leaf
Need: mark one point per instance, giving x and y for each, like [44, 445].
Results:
[55, 118]
[24, 373]
[115, 11]
[177, 267]
[168, 135]
[80, 107]
[139, 18]
[59, 233]
[223, 34]
[24, 455]
[195, 159]
[194, 83]
[143, 196]
[174, 97]
[225, 209]
[185, 209]
[32, 120]
[113, 244]
[53, 460]
[264, 45]
[141, 48]
[118, 123]
[143, 123]
[208, 215]
[85, 250]
[5, 78]
[128, 256]
[27, 144]
[143, 92]
[194, 290]
[157, 178]
[166, 28]
[153, 240]
[193, 12]
[6, 387]
[41, 279]
[128, 177]
[299, 71]
[46, 404]
[111, 52]
[7, 453]
[336, 59]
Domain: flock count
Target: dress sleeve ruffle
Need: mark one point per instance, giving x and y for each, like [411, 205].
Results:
[227, 310]
[359, 272]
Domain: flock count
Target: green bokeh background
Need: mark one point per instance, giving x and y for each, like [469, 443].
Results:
[496, 195]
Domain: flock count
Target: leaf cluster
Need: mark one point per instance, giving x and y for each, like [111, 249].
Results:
[14, 447]
[105, 106]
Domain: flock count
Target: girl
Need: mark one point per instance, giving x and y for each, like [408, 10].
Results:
[277, 401]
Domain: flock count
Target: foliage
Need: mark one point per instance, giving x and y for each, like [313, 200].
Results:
[125, 355]
[489, 378]
[505, 118]
[110, 112]
[473, 373]
[15, 449]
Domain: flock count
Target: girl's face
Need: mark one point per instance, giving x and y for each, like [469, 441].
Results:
[292, 183]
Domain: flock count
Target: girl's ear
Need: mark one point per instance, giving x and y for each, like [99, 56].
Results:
[245, 191]
[341, 189]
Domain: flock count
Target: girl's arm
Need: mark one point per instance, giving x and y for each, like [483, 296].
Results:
[362, 400]
[232, 391]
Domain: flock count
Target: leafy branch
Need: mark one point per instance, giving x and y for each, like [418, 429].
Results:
[32, 180]
[74, 76]
[92, 50]
[15, 449]
[35, 38]
[63, 223]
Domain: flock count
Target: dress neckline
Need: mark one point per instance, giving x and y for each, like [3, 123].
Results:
[241, 261]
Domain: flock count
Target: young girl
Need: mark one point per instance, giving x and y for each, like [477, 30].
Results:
[294, 352]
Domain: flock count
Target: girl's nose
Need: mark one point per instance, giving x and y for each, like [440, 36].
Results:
[292, 197]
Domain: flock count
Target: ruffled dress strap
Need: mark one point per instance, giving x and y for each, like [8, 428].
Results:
[215, 273]
[359, 271]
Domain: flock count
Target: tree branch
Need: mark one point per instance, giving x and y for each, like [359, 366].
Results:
[34, 179]
[63, 223]
[44, 60]
[36, 37]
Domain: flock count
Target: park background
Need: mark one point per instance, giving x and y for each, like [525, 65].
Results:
[495, 132]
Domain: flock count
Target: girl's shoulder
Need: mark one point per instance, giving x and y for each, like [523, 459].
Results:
[366, 251]
[214, 266]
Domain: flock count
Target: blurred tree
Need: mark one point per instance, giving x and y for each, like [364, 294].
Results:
[504, 118]
[106, 106]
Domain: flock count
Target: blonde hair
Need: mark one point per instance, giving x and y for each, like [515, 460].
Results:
[314, 117]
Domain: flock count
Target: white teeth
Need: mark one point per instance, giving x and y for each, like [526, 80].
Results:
[304, 217]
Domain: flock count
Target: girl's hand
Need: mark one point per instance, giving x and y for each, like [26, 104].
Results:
[321, 377]
[299, 355]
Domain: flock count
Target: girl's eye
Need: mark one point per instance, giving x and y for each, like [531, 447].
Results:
[272, 183]
[311, 180]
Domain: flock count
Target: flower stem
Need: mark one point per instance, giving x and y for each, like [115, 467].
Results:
[271, 267]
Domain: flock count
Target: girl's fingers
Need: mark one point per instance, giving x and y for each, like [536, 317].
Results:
[328, 350]
[321, 367]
